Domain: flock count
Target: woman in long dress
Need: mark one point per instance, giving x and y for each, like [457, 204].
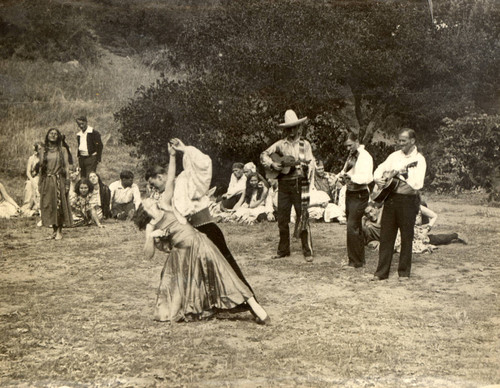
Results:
[54, 184]
[196, 280]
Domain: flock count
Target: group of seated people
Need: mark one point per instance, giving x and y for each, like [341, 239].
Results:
[251, 198]
[90, 199]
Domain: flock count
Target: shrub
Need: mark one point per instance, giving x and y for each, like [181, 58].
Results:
[466, 154]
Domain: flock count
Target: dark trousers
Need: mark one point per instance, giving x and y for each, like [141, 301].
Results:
[355, 205]
[87, 165]
[442, 239]
[399, 212]
[213, 232]
[289, 194]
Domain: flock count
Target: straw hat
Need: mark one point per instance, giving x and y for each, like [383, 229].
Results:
[291, 119]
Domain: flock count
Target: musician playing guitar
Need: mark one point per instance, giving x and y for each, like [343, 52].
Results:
[356, 174]
[292, 183]
[401, 205]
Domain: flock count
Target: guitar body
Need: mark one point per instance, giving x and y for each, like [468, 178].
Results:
[379, 194]
[286, 161]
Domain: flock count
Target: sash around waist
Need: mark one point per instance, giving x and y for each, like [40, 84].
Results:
[200, 218]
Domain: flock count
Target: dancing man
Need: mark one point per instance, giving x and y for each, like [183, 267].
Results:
[407, 168]
[292, 161]
[190, 199]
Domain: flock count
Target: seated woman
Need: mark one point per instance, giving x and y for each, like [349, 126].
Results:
[102, 195]
[8, 207]
[254, 201]
[31, 201]
[84, 206]
[196, 280]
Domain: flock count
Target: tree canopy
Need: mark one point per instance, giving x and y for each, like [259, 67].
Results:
[368, 67]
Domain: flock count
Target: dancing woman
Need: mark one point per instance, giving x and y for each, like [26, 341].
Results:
[54, 184]
[196, 280]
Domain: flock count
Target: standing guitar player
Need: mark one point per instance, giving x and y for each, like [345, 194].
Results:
[357, 174]
[293, 187]
[401, 206]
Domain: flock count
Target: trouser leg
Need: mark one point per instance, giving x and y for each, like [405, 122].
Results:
[388, 233]
[284, 208]
[407, 209]
[442, 239]
[213, 232]
[356, 203]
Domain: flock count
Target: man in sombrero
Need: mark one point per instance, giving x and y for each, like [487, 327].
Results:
[291, 161]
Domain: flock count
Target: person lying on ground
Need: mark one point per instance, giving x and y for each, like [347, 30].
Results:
[423, 241]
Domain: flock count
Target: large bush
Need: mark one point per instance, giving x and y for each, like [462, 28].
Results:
[467, 153]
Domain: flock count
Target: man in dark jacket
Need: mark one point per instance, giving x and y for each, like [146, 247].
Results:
[89, 147]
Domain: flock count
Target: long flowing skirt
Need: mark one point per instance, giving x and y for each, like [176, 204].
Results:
[196, 280]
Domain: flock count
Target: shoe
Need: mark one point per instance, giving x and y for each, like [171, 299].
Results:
[404, 278]
[462, 240]
[308, 258]
[280, 256]
[375, 278]
[265, 321]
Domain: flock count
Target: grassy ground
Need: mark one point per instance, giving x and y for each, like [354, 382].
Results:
[79, 312]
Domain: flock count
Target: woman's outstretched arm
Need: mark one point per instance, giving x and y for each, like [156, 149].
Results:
[169, 184]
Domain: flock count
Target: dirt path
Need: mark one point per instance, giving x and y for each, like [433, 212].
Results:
[79, 311]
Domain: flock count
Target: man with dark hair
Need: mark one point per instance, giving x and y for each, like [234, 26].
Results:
[190, 198]
[89, 147]
[125, 196]
[357, 174]
[293, 183]
[407, 168]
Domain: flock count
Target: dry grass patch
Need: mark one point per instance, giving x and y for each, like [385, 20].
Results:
[79, 311]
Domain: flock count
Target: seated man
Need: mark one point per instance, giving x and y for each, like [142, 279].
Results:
[125, 196]
[370, 224]
[237, 185]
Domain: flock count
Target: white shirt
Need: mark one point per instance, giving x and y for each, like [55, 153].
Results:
[192, 184]
[236, 186]
[120, 194]
[398, 160]
[362, 172]
[82, 146]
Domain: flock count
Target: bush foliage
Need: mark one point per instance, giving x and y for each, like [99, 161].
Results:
[467, 153]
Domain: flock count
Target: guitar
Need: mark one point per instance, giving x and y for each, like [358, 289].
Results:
[380, 193]
[286, 161]
[348, 166]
